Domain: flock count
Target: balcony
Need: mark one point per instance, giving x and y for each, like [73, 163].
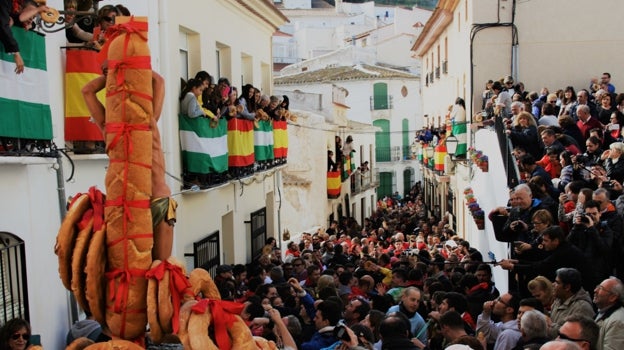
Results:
[437, 72]
[426, 79]
[363, 181]
[393, 154]
[445, 67]
[380, 103]
[431, 77]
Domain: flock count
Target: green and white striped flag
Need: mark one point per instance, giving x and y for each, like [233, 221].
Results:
[263, 140]
[24, 99]
[204, 149]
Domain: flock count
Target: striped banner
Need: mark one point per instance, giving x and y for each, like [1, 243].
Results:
[333, 184]
[204, 149]
[240, 141]
[348, 166]
[460, 132]
[24, 99]
[439, 153]
[263, 141]
[81, 67]
[280, 137]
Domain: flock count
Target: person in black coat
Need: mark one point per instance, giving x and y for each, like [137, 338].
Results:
[563, 254]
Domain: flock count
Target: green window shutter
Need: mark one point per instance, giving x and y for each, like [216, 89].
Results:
[380, 96]
[382, 141]
[385, 185]
[405, 146]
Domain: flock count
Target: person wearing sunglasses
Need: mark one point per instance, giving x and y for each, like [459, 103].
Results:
[581, 330]
[15, 335]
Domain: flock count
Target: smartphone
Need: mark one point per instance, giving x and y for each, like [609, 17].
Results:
[35, 339]
[614, 127]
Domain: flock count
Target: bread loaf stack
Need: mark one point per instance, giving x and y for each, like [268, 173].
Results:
[129, 235]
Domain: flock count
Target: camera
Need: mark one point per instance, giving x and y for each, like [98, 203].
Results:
[410, 252]
[585, 219]
[340, 332]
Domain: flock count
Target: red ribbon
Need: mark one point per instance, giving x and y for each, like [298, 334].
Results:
[131, 27]
[223, 312]
[178, 285]
[119, 293]
[124, 130]
[126, 204]
[134, 62]
[97, 203]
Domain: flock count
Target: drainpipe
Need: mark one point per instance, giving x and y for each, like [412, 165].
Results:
[278, 183]
[72, 310]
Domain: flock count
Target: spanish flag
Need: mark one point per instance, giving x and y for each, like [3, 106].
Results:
[333, 184]
[280, 138]
[240, 141]
[80, 68]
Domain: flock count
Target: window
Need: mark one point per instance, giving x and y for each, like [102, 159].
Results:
[184, 56]
[380, 96]
[13, 286]
[382, 141]
[386, 184]
[405, 146]
[258, 232]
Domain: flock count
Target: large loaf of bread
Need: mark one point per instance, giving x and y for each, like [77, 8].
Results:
[129, 235]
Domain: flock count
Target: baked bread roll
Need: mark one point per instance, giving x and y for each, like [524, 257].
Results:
[95, 283]
[66, 237]
[80, 343]
[78, 277]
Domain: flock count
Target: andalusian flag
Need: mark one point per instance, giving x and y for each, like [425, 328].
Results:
[333, 184]
[280, 137]
[460, 129]
[240, 142]
[204, 149]
[81, 67]
[24, 99]
[263, 140]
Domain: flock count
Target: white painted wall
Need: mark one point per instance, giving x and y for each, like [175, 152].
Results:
[28, 186]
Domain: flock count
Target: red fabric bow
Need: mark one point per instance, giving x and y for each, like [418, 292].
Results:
[223, 311]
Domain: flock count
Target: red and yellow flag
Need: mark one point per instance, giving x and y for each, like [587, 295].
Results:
[240, 140]
[280, 139]
[333, 184]
[80, 68]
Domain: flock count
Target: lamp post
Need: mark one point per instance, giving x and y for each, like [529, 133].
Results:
[451, 145]
[429, 152]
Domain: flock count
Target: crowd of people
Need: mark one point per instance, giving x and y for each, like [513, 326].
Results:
[206, 102]
[404, 280]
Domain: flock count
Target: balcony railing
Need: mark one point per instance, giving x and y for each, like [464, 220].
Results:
[437, 72]
[431, 78]
[361, 182]
[393, 154]
[376, 104]
[445, 67]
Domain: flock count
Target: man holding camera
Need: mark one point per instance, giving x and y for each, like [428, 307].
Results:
[595, 239]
